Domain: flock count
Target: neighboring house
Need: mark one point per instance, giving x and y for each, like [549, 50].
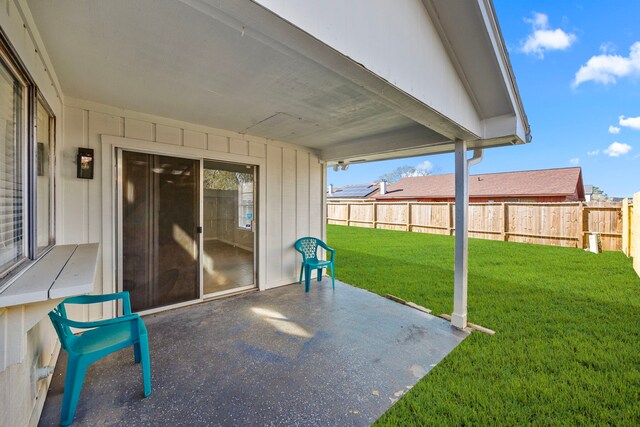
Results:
[352, 191]
[544, 185]
[169, 132]
[588, 192]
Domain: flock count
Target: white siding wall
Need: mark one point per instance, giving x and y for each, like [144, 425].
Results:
[292, 193]
[26, 334]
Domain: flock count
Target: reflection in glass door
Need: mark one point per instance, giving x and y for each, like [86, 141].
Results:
[159, 216]
[228, 214]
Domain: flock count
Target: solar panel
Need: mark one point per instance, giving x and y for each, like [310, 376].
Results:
[354, 191]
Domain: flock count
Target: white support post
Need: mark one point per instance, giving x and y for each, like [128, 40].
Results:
[459, 315]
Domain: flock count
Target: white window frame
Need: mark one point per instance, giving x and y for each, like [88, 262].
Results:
[52, 179]
[27, 145]
[242, 220]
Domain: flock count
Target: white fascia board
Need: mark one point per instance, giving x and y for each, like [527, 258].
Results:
[521, 128]
[508, 127]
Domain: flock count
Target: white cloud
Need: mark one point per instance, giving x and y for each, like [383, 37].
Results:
[607, 68]
[421, 169]
[608, 47]
[425, 166]
[593, 153]
[630, 122]
[574, 161]
[616, 149]
[543, 38]
[614, 129]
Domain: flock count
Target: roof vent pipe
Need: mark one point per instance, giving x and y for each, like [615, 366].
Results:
[383, 187]
[330, 190]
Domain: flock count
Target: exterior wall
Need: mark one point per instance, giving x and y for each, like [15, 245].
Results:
[289, 201]
[27, 338]
[422, 69]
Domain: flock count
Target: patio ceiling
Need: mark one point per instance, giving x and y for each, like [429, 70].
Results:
[235, 65]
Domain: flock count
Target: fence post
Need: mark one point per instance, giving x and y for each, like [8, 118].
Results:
[626, 229]
[348, 214]
[450, 214]
[408, 216]
[375, 214]
[581, 222]
[505, 221]
[635, 232]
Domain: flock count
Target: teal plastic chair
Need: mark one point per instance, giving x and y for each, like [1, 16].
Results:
[103, 338]
[308, 247]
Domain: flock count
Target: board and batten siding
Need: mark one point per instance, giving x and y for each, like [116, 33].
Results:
[293, 190]
[27, 337]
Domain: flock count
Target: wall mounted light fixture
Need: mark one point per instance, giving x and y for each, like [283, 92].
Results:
[84, 162]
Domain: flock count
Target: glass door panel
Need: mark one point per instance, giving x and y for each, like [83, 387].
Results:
[159, 217]
[228, 214]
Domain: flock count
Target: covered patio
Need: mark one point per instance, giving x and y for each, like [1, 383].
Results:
[136, 102]
[283, 357]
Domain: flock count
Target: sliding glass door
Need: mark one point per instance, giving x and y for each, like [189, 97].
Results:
[229, 218]
[159, 220]
[186, 228]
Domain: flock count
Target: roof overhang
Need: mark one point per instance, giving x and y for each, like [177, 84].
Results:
[239, 66]
[471, 32]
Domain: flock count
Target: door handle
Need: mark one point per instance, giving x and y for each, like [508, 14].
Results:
[199, 229]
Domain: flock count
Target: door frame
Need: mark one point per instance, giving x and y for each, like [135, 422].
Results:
[111, 196]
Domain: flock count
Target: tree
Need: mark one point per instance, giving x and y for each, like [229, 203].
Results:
[404, 172]
[224, 180]
[597, 195]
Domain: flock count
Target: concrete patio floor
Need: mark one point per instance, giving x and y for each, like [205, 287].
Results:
[279, 357]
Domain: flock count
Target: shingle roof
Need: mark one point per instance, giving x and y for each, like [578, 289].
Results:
[545, 182]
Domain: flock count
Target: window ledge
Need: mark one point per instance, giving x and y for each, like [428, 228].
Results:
[64, 271]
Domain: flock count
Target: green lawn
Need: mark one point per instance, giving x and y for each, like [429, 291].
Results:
[567, 347]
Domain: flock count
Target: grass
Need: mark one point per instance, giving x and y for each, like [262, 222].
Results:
[567, 347]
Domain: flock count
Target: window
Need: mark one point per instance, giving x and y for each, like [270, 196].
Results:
[27, 158]
[44, 168]
[245, 203]
[12, 109]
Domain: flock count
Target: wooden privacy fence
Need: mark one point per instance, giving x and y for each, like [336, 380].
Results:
[558, 224]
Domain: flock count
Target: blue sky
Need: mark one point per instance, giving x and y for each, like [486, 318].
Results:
[577, 78]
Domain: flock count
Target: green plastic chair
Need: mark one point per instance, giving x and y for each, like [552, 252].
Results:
[308, 247]
[105, 337]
